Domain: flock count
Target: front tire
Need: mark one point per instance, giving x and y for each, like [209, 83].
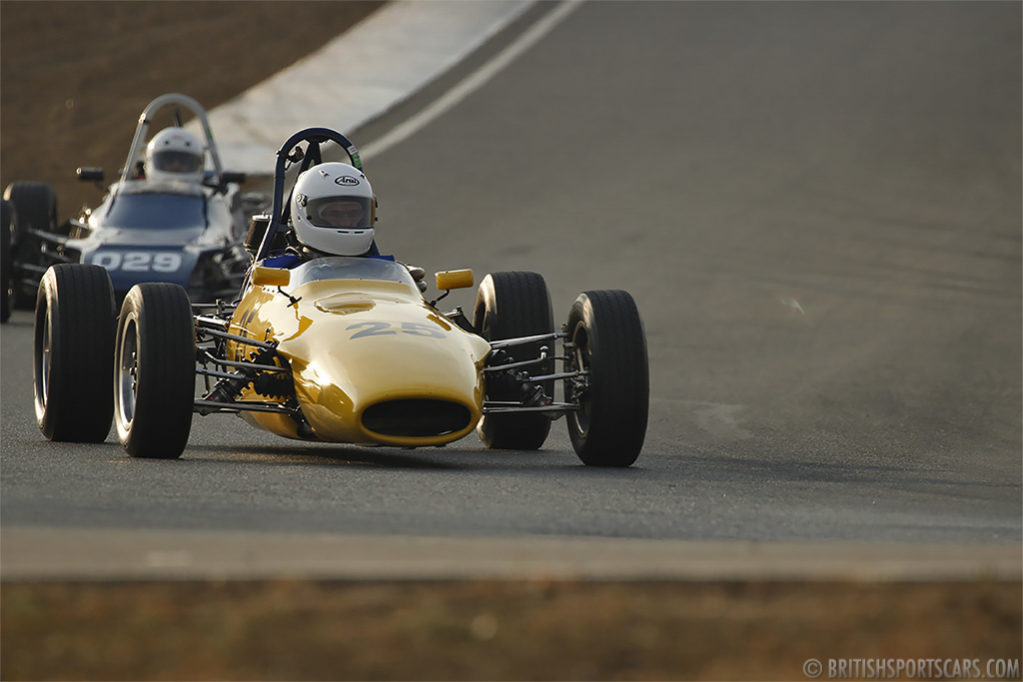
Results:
[154, 371]
[74, 350]
[608, 343]
[509, 305]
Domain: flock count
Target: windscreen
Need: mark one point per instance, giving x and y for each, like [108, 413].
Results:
[151, 211]
[339, 267]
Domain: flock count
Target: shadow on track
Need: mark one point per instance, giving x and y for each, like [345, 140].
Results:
[424, 459]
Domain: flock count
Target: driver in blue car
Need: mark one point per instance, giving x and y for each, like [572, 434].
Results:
[174, 154]
[333, 211]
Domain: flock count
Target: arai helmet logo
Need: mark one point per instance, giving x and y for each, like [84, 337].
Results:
[347, 180]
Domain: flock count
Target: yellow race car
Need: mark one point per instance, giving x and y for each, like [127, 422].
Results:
[339, 349]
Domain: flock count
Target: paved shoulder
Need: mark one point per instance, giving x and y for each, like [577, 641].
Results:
[356, 77]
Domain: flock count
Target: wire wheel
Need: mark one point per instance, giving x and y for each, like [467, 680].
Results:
[578, 390]
[127, 373]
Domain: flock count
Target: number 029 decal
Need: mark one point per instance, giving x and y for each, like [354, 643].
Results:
[388, 329]
[138, 261]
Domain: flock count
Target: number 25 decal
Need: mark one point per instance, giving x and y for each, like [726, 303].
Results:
[138, 261]
[388, 329]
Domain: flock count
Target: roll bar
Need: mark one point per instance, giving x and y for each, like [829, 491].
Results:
[160, 102]
[311, 156]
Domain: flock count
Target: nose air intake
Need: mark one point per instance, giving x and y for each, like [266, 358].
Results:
[416, 418]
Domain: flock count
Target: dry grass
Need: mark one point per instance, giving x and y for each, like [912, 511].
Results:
[491, 630]
[74, 76]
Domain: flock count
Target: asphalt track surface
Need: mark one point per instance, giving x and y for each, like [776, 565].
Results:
[817, 207]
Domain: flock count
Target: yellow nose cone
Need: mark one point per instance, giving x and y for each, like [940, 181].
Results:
[410, 378]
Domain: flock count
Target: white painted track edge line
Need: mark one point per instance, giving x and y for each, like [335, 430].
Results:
[473, 81]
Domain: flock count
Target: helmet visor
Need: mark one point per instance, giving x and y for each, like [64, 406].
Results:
[177, 162]
[350, 212]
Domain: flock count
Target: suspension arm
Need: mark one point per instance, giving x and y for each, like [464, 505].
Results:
[205, 407]
[234, 337]
[521, 341]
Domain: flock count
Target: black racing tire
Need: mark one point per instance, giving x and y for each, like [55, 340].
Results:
[35, 205]
[154, 371]
[74, 351]
[6, 260]
[509, 305]
[606, 339]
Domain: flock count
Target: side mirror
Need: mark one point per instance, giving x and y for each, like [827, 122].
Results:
[271, 277]
[86, 174]
[454, 279]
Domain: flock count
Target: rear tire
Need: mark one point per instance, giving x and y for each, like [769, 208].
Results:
[74, 350]
[609, 343]
[154, 371]
[509, 305]
[6, 260]
[35, 205]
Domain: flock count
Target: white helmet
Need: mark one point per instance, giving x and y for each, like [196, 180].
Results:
[174, 154]
[333, 209]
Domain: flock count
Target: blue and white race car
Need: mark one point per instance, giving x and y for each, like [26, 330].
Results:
[173, 215]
